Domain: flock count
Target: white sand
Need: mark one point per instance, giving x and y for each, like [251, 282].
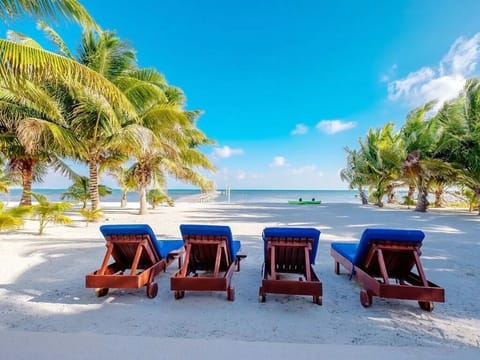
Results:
[43, 294]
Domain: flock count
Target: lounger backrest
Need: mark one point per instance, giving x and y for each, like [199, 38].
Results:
[210, 230]
[310, 233]
[133, 229]
[370, 236]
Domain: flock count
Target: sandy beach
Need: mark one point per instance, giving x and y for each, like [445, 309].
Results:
[46, 310]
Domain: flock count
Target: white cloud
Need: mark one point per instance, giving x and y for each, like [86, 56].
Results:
[226, 152]
[334, 126]
[443, 82]
[462, 57]
[300, 129]
[278, 161]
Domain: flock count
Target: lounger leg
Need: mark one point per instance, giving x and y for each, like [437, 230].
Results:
[217, 260]
[308, 274]
[336, 267]
[136, 259]
[383, 268]
[184, 268]
[273, 273]
[104, 266]
[424, 305]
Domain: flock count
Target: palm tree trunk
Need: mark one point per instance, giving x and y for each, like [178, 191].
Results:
[390, 194]
[422, 201]
[477, 193]
[411, 191]
[363, 196]
[142, 192]
[438, 197]
[123, 199]
[94, 197]
[27, 181]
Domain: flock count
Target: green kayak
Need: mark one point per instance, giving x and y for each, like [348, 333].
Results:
[305, 202]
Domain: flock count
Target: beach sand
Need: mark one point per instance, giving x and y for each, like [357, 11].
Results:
[46, 311]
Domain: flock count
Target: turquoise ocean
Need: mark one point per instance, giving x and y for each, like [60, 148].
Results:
[236, 195]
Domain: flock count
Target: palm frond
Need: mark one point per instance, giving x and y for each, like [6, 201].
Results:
[24, 61]
[56, 39]
[52, 9]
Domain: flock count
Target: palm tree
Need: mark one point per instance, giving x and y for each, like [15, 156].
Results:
[461, 141]
[354, 173]
[98, 124]
[167, 140]
[421, 138]
[79, 191]
[382, 153]
[32, 124]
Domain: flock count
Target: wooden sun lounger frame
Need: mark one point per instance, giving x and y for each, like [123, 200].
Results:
[288, 248]
[186, 279]
[145, 265]
[395, 257]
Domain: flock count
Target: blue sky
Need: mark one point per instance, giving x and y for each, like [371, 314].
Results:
[286, 85]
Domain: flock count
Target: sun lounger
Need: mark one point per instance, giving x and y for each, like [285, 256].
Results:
[211, 257]
[383, 255]
[290, 252]
[138, 257]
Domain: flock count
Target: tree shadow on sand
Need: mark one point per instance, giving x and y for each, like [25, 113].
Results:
[51, 296]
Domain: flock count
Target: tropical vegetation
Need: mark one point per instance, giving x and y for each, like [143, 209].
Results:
[96, 107]
[430, 153]
[48, 211]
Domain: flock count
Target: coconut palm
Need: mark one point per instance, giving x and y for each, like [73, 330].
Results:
[32, 122]
[79, 191]
[97, 123]
[355, 173]
[421, 136]
[461, 141]
[167, 139]
[382, 153]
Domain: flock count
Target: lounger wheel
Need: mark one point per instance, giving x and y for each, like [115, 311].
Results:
[179, 294]
[317, 300]
[152, 290]
[231, 293]
[365, 298]
[426, 305]
[101, 292]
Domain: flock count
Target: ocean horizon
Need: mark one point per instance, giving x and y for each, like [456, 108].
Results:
[222, 195]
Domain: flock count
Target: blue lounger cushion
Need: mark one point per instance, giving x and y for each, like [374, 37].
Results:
[233, 246]
[356, 252]
[295, 233]
[163, 247]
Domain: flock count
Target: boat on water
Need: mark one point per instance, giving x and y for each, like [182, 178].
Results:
[305, 202]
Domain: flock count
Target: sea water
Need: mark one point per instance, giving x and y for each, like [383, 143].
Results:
[234, 196]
